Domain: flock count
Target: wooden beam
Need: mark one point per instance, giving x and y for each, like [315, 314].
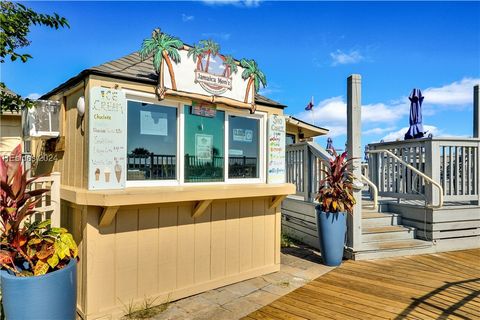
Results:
[107, 216]
[276, 201]
[200, 208]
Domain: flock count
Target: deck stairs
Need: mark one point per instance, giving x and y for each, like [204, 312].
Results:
[383, 235]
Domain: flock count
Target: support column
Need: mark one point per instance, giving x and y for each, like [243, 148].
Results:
[354, 148]
[476, 113]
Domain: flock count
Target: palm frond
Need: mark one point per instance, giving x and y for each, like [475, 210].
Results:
[148, 47]
[246, 74]
[173, 53]
[157, 60]
[261, 76]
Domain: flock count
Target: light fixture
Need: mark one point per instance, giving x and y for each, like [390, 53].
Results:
[81, 106]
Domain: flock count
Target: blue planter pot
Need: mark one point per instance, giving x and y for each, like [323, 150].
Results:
[332, 228]
[52, 296]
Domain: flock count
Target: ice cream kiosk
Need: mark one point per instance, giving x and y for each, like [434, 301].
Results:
[171, 178]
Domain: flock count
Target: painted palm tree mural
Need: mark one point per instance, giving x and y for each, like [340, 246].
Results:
[210, 62]
[210, 49]
[230, 64]
[164, 49]
[254, 75]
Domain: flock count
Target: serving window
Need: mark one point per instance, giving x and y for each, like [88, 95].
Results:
[151, 142]
[243, 147]
[204, 146]
[171, 143]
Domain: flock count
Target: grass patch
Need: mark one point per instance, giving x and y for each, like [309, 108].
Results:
[146, 310]
[287, 241]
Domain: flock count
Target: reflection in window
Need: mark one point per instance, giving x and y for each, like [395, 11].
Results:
[204, 146]
[243, 147]
[290, 139]
[151, 142]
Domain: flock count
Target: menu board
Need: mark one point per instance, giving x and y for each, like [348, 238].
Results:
[276, 149]
[107, 126]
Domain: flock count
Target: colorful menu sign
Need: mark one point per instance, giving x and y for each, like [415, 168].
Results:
[276, 149]
[107, 128]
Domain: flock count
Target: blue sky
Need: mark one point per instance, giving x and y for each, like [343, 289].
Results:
[305, 49]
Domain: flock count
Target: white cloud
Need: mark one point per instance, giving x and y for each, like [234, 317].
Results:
[377, 131]
[340, 57]
[400, 134]
[33, 96]
[240, 3]
[217, 35]
[453, 94]
[186, 18]
[381, 117]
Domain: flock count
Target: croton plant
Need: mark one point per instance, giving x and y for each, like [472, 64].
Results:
[28, 247]
[335, 192]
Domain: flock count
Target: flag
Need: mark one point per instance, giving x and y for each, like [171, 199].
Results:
[309, 106]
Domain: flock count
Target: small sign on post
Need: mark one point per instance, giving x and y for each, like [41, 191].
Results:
[107, 139]
[276, 149]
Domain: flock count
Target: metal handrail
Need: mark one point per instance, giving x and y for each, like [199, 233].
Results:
[375, 191]
[423, 175]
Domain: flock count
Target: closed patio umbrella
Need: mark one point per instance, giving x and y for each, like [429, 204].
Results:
[329, 147]
[416, 128]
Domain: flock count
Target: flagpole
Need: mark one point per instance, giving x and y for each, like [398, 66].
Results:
[311, 110]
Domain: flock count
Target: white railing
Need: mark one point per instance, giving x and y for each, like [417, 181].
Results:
[451, 163]
[416, 171]
[306, 162]
[49, 205]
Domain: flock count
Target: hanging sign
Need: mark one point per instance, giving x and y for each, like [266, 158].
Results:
[204, 110]
[276, 149]
[107, 143]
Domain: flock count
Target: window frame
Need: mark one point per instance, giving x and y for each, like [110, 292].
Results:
[261, 116]
[167, 104]
[180, 170]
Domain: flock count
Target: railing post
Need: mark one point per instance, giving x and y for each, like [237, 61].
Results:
[306, 172]
[354, 147]
[476, 111]
[55, 199]
[432, 169]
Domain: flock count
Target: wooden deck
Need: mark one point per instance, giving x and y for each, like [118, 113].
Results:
[434, 286]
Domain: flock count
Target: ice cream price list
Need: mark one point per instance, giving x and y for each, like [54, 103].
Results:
[107, 139]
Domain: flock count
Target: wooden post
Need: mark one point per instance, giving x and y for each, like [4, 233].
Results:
[354, 148]
[432, 169]
[476, 112]
[55, 199]
[306, 172]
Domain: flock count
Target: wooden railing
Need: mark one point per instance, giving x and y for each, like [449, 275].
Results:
[451, 162]
[305, 162]
[49, 205]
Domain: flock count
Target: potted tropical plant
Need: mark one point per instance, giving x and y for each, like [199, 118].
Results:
[38, 261]
[335, 197]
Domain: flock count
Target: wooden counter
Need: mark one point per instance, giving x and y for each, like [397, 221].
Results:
[111, 200]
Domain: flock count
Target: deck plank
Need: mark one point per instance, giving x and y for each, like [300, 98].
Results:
[439, 286]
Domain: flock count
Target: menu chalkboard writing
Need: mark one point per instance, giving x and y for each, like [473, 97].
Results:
[276, 149]
[107, 139]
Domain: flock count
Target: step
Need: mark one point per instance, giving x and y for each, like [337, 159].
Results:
[377, 219]
[387, 233]
[386, 249]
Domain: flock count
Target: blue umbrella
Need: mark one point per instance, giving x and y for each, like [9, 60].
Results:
[329, 147]
[416, 128]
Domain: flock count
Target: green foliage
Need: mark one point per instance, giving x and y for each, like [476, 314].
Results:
[36, 244]
[146, 310]
[158, 44]
[252, 71]
[335, 193]
[15, 22]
